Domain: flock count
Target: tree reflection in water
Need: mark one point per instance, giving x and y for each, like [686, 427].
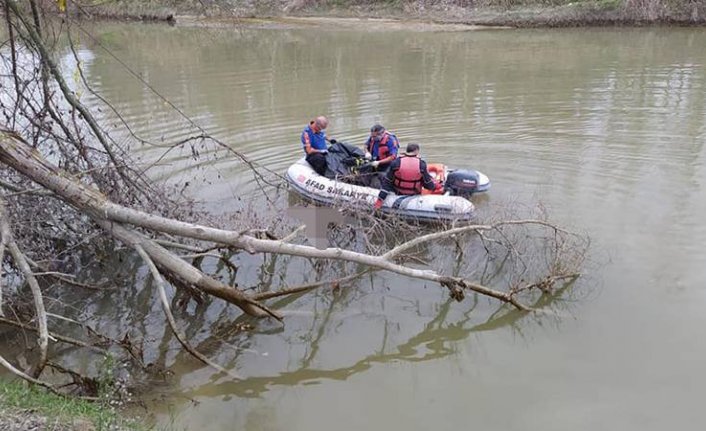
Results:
[438, 339]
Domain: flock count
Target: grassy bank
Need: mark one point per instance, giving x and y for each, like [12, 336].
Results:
[23, 407]
[516, 13]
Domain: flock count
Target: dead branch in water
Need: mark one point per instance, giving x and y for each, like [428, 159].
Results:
[52, 336]
[170, 318]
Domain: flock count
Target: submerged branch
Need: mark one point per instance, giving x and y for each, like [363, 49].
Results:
[307, 287]
[52, 335]
[184, 271]
[159, 280]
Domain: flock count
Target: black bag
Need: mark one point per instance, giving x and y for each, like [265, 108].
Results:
[343, 160]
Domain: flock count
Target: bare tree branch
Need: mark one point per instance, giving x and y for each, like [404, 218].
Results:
[463, 229]
[185, 271]
[159, 280]
[307, 287]
[52, 335]
[23, 265]
[13, 56]
[3, 242]
[178, 245]
[60, 276]
[10, 187]
[68, 94]
[26, 377]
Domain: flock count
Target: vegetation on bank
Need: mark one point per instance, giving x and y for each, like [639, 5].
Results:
[518, 13]
[23, 406]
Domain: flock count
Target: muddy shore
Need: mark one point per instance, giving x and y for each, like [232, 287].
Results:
[425, 15]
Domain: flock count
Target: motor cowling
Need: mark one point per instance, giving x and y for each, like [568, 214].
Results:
[462, 182]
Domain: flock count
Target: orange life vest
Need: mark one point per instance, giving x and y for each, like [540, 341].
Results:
[408, 178]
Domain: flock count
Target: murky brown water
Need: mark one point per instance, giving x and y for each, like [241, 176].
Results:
[606, 128]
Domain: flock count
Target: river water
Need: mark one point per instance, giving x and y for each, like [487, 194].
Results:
[605, 128]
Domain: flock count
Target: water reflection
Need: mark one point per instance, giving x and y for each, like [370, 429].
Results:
[437, 339]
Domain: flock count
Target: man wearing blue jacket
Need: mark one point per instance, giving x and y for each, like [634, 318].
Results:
[314, 144]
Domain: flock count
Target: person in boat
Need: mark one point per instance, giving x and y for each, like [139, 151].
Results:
[314, 143]
[381, 147]
[407, 175]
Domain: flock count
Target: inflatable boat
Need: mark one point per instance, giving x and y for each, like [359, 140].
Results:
[332, 190]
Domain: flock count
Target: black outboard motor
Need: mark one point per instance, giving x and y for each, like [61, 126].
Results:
[462, 182]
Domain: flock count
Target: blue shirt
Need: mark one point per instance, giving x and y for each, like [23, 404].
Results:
[316, 140]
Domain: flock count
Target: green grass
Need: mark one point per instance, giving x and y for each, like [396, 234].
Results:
[18, 396]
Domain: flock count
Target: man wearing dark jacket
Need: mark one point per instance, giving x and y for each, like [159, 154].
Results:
[407, 175]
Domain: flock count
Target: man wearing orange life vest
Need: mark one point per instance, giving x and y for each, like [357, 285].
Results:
[406, 176]
[381, 147]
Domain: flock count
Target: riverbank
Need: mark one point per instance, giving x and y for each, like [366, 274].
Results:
[26, 408]
[505, 13]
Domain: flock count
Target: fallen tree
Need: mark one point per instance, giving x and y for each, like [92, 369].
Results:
[67, 185]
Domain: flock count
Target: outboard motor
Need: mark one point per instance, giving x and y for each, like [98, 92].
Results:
[462, 182]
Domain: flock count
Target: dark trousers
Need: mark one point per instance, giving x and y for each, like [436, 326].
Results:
[369, 179]
[318, 162]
